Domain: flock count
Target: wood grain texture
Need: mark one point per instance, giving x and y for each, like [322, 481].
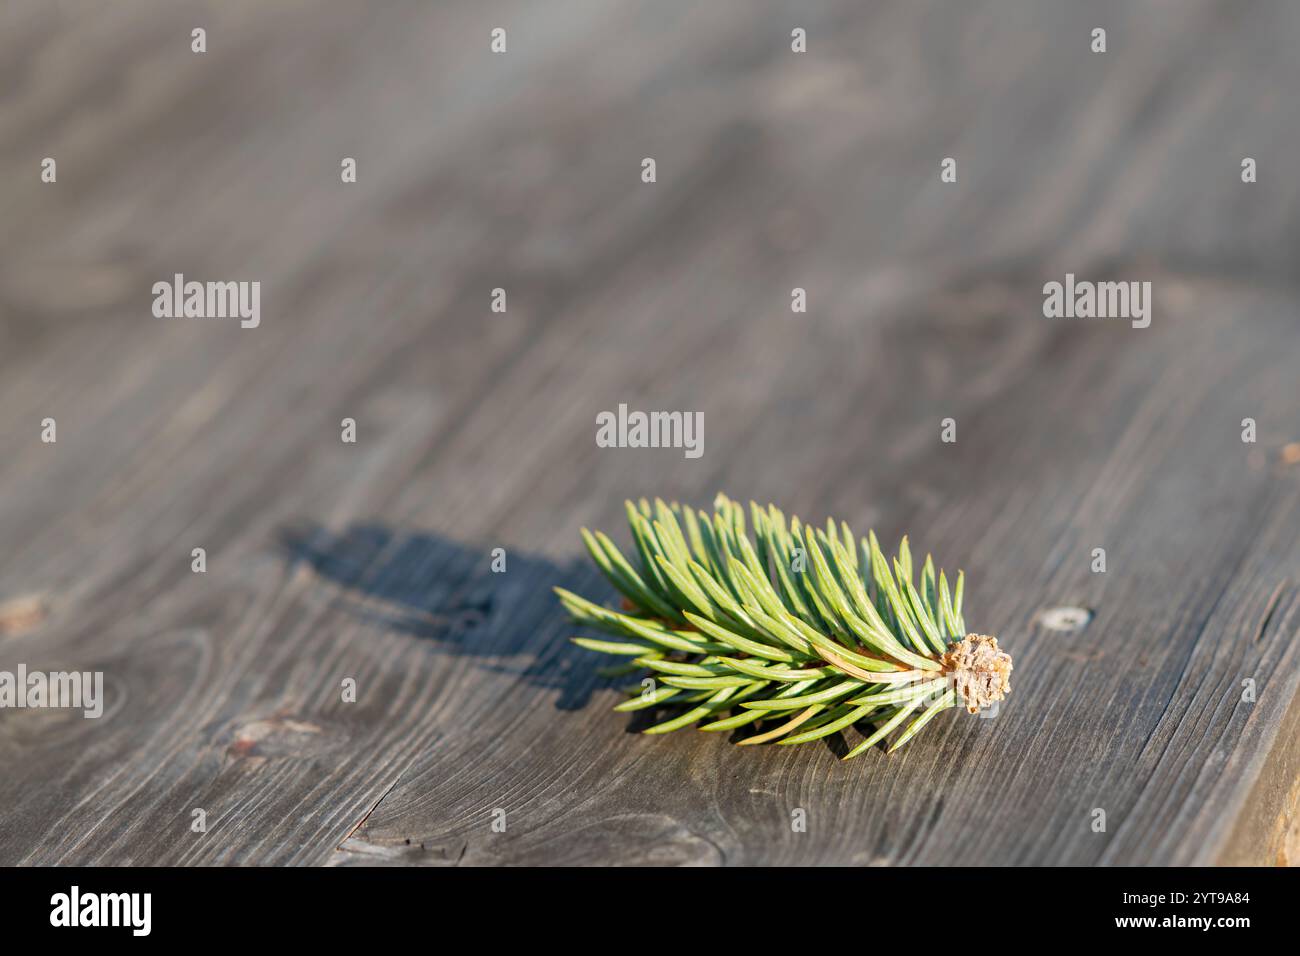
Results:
[476, 430]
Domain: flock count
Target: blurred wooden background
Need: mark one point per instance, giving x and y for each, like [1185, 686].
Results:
[476, 430]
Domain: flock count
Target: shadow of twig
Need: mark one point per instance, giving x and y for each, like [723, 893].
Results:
[443, 591]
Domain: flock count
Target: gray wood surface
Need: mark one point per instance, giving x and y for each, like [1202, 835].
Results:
[476, 430]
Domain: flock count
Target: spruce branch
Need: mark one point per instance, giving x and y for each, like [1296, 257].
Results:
[796, 630]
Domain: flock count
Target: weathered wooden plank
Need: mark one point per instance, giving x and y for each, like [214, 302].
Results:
[476, 430]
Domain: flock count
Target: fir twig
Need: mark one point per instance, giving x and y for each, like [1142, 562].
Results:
[797, 631]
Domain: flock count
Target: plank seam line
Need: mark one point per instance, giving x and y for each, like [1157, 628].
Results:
[1272, 608]
[1164, 713]
[361, 822]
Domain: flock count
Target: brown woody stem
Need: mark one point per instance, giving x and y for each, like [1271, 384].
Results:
[980, 673]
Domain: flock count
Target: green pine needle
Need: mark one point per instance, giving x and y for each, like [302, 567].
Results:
[797, 631]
